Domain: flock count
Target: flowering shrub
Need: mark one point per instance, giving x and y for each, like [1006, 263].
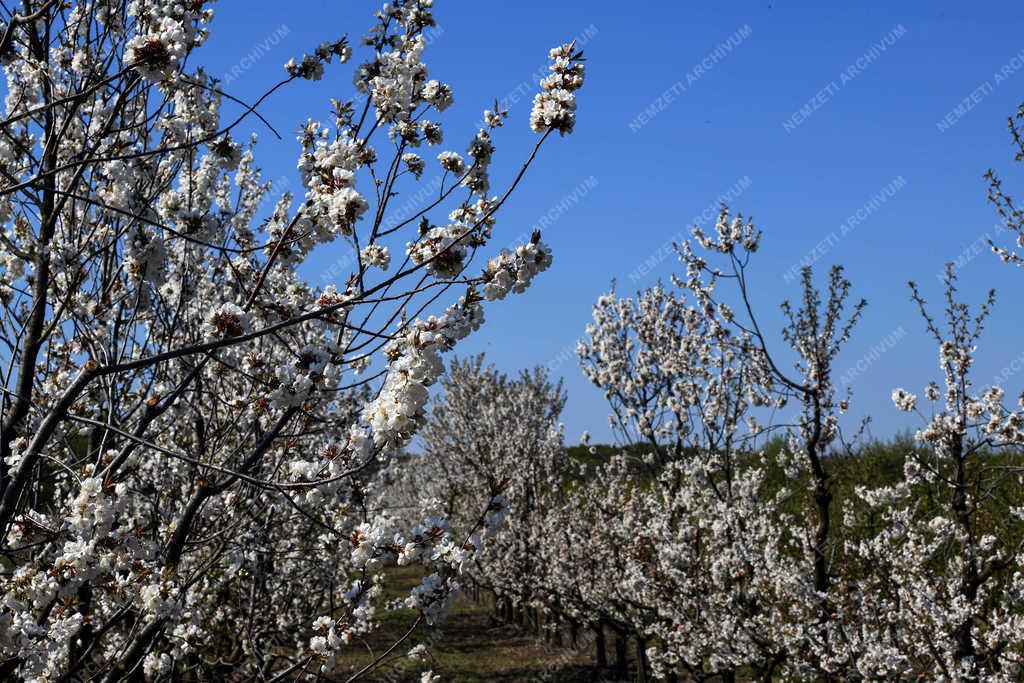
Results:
[192, 434]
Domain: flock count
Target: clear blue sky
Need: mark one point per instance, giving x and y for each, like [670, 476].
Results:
[882, 121]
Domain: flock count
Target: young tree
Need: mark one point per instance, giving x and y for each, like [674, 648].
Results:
[723, 578]
[681, 382]
[190, 431]
[491, 439]
[940, 581]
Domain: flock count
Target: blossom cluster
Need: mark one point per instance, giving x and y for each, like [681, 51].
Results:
[513, 271]
[171, 31]
[311, 67]
[554, 107]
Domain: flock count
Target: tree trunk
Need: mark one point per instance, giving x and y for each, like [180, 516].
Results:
[621, 654]
[641, 660]
[602, 654]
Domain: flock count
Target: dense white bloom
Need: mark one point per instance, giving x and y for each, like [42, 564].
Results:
[157, 53]
[433, 597]
[376, 255]
[442, 250]
[414, 163]
[513, 271]
[439, 95]
[452, 162]
[227, 320]
[904, 400]
[432, 132]
[555, 106]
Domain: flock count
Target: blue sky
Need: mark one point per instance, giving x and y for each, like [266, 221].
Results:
[905, 103]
